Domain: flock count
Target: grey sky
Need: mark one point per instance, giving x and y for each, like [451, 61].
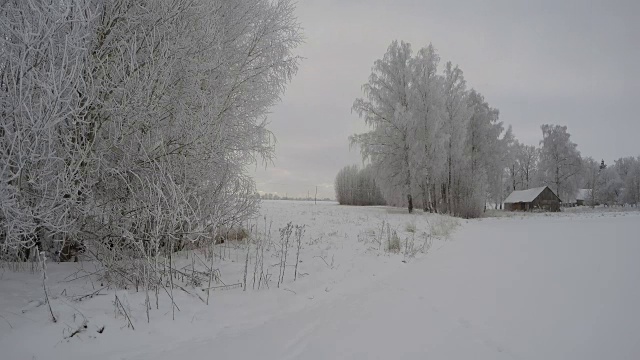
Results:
[571, 63]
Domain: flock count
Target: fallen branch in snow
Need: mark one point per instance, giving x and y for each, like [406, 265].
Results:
[117, 303]
[66, 279]
[32, 305]
[224, 287]
[82, 297]
[325, 261]
[290, 291]
[190, 293]
[80, 329]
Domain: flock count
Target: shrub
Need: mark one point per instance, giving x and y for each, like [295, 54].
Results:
[393, 242]
[443, 226]
[411, 227]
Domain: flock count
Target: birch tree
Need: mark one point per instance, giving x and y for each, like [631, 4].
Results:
[386, 110]
[431, 140]
[560, 160]
[499, 180]
[610, 186]
[591, 175]
[527, 159]
[456, 123]
[427, 105]
[485, 146]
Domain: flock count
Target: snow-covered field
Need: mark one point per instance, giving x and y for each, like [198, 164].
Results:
[546, 286]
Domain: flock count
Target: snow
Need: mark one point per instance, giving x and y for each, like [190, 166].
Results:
[524, 195]
[542, 286]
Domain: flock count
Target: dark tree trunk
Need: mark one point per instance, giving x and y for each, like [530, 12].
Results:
[426, 203]
[410, 200]
[434, 198]
[445, 199]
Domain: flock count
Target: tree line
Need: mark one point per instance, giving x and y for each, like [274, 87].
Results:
[129, 124]
[436, 144]
[356, 186]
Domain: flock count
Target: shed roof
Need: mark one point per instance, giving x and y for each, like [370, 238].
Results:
[524, 195]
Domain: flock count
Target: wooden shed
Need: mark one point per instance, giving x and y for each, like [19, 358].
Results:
[542, 198]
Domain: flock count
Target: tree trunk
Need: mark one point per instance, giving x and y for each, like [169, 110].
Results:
[445, 201]
[448, 187]
[410, 201]
[426, 203]
[558, 182]
[434, 198]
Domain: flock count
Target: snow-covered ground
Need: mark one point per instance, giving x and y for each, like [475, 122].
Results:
[548, 286]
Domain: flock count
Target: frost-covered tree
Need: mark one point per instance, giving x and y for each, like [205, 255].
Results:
[386, 110]
[187, 113]
[514, 171]
[432, 142]
[591, 179]
[130, 125]
[43, 125]
[484, 133]
[456, 189]
[604, 183]
[499, 186]
[610, 186]
[628, 170]
[624, 166]
[345, 184]
[487, 145]
[631, 193]
[355, 186]
[527, 158]
[523, 162]
[427, 110]
[560, 161]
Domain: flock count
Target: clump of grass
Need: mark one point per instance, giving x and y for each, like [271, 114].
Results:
[231, 234]
[411, 227]
[393, 242]
[443, 226]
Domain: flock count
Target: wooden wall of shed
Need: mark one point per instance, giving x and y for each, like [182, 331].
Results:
[516, 207]
[547, 200]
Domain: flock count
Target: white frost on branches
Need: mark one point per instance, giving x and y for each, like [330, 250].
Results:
[432, 141]
[129, 124]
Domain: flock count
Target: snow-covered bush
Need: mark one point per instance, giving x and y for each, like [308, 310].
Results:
[443, 226]
[129, 125]
[393, 242]
[411, 227]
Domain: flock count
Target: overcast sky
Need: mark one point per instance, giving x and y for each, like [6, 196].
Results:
[573, 63]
